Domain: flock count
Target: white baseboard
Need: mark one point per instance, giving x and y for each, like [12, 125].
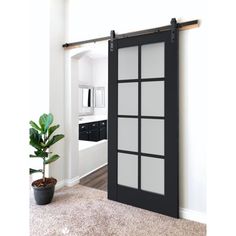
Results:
[72, 182]
[193, 215]
[75, 180]
[90, 172]
[60, 185]
[67, 182]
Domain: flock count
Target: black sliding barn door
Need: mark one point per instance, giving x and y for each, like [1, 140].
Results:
[143, 122]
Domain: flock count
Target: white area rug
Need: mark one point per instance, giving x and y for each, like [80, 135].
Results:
[80, 211]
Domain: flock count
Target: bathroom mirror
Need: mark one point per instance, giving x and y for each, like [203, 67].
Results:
[99, 97]
[87, 96]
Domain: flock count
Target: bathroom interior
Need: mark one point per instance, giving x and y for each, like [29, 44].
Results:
[92, 120]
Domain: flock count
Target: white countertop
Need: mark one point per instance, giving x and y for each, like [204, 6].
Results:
[92, 118]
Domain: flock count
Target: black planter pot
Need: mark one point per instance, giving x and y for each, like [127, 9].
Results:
[44, 195]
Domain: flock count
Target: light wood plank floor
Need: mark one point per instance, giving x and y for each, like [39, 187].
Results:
[97, 179]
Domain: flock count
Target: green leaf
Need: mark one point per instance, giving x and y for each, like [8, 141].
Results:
[52, 129]
[40, 153]
[33, 156]
[32, 171]
[35, 145]
[54, 139]
[45, 121]
[35, 139]
[51, 159]
[33, 131]
[34, 125]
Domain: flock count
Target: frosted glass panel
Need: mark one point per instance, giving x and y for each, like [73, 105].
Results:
[128, 99]
[128, 134]
[153, 174]
[153, 60]
[128, 170]
[128, 63]
[152, 136]
[153, 98]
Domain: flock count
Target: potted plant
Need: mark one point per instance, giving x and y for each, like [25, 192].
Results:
[41, 139]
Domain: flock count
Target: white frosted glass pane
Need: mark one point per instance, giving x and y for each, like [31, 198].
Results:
[152, 136]
[128, 99]
[128, 170]
[153, 60]
[128, 63]
[153, 98]
[128, 134]
[153, 174]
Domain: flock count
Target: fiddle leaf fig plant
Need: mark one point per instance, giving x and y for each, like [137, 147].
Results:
[41, 139]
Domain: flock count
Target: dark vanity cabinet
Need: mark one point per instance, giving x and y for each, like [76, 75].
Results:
[103, 129]
[93, 131]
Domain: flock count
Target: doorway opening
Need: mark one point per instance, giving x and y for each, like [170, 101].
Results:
[90, 71]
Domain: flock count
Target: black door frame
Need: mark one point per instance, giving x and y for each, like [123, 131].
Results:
[167, 204]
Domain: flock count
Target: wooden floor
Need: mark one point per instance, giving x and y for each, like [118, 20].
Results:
[98, 179]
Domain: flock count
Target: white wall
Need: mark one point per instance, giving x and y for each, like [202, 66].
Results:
[221, 84]
[85, 77]
[47, 73]
[100, 79]
[106, 15]
[193, 110]
[39, 59]
[39, 69]
[71, 117]
[87, 161]
[85, 71]
[92, 71]
[15, 101]
[56, 85]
